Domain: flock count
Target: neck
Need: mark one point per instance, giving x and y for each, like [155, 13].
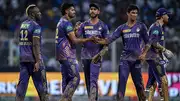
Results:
[67, 17]
[94, 20]
[160, 21]
[32, 18]
[131, 22]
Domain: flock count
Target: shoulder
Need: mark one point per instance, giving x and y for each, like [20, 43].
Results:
[34, 23]
[120, 27]
[155, 26]
[155, 29]
[65, 22]
[84, 23]
[69, 23]
[141, 24]
[103, 24]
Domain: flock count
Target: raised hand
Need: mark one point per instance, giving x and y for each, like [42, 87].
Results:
[77, 25]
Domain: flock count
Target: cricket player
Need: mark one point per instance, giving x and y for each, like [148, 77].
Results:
[66, 52]
[157, 56]
[92, 27]
[134, 35]
[31, 62]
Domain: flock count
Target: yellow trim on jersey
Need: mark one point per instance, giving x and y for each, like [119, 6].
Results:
[88, 27]
[126, 30]
[162, 38]
[36, 36]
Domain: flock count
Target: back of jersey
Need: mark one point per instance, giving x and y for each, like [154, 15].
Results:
[28, 30]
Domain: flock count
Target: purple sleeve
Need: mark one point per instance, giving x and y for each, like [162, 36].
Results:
[105, 31]
[37, 31]
[80, 30]
[68, 27]
[154, 35]
[115, 35]
[144, 33]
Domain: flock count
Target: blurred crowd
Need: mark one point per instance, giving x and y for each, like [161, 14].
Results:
[113, 13]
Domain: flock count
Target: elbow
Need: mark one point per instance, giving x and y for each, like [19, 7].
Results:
[75, 41]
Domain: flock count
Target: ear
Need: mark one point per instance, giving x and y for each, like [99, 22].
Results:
[66, 11]
[127, 13]
[32, 15]
[99, 11]
[162, 17]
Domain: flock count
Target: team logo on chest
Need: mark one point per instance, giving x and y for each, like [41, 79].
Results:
[138, 29]
[100, 28]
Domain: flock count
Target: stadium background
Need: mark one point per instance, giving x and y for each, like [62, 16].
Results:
[113, 13]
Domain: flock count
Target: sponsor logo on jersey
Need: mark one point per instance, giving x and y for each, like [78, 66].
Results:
[126, 30]
[25, 26]
[37, 31]
[92, 32]
[88, 27]
[131, 35]
[69, 28]
[156, 32]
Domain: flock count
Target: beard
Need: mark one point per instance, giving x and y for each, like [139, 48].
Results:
[38, 18]
[133, 19]
[71, 15]
[165, 21]
[92, 15]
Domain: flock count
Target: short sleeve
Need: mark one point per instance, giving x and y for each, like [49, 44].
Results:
[115, 35]
[68, 27]
[105, 31]
[37, 31]
[144, 33]
[154, 34]
[80, 30]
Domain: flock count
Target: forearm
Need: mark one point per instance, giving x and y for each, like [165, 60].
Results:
[146, 49]
[36, 49]
[76, 32]
[81, 40]
[159, 47]
[102, 41]
[103, 51]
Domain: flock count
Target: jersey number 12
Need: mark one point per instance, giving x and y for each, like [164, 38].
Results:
[24, 34]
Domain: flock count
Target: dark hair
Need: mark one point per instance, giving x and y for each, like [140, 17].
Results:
[65, 6]
[29, 9]
[132, 7]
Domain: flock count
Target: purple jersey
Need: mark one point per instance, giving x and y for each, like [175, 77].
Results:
[156, 35]
[133, 39]
[64, 48]
[86, 30]
[28, 30]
